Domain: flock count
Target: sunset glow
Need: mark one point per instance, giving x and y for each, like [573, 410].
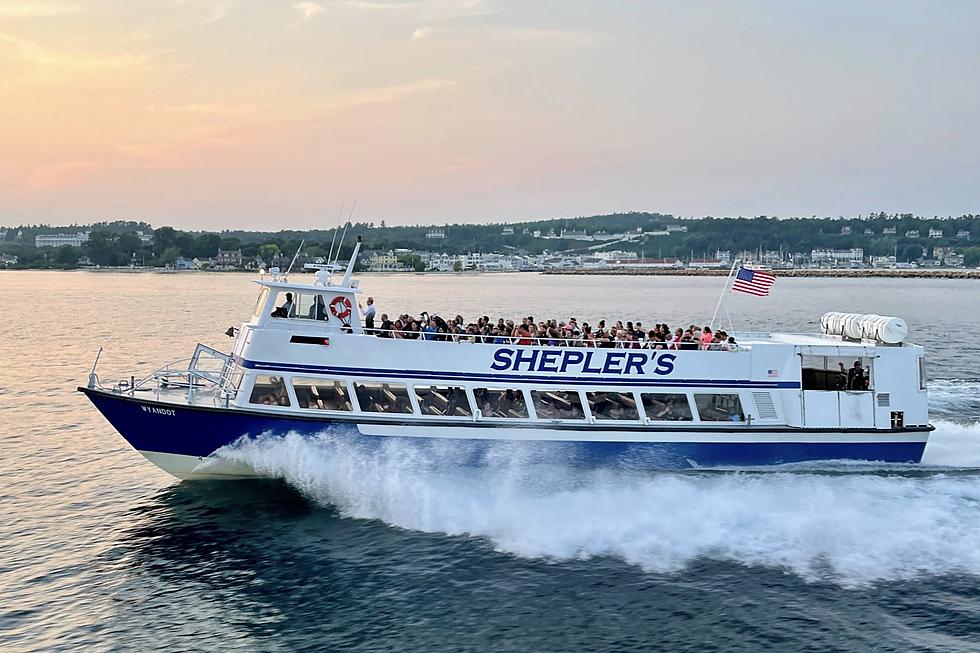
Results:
[263, 114]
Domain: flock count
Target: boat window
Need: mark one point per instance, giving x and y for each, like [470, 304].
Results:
[836, 373]
[305, 305]
[557, 404]
[922, 373]
[667, 407]
[260, 302]
[719, 408]
[383, 397]
[494, 402]
[449, 401]
[322, 394]
[269, 390]
[612, 405]
[311, 306]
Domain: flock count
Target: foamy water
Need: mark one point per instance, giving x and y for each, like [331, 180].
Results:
[848, 523]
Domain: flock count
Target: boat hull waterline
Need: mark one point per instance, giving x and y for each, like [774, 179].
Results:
[183, 440]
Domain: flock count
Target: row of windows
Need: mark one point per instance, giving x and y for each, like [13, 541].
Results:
[508, 403]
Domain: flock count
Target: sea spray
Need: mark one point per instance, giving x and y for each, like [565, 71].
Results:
[954, 445]
[851, 525]
[956, 400]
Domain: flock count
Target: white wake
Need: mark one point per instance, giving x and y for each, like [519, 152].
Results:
[851, 525]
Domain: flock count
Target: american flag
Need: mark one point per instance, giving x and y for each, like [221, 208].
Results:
[753, 282]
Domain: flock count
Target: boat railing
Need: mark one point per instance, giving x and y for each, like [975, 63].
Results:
[206, 369]
[547, 342]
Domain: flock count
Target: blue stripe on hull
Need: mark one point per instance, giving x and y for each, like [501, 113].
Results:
[508, 378]
[195, 432]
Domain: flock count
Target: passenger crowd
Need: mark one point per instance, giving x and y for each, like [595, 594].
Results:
[552, 333]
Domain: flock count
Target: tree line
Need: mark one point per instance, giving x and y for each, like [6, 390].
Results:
[120, 244]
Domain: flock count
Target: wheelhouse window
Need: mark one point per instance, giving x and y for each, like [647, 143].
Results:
[445, 401]
[612, 405]
[301, 305]
[269, 391]
[260, 302]
[383, 397]
[719, 408]
[557, 404]
[322, 394]
[922, 373]
[836, 373]
[498, 402]
[667, 407]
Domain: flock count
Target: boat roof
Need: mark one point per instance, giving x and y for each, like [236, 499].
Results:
[807, 339]
[306, 287]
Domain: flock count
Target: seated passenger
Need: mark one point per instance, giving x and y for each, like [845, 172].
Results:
[318, 311]
[706, 338]
[288, 309]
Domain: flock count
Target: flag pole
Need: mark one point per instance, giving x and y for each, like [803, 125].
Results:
[724, 290]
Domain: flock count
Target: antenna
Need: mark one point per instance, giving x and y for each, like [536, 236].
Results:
[350, 264]
[346, 225]
[343, 205]
[295, 256]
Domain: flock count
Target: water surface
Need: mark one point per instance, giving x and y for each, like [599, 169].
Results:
[101, 551]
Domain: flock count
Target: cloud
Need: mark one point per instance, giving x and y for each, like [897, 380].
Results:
[440, 7]
[307, 9]
[516, 34]
[38, 9]
[383, 94]
[219, 11]
[36, 53]
[425, 32]
[215, 10]
[554, 35]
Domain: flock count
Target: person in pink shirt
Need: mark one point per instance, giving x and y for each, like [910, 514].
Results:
[706, 337]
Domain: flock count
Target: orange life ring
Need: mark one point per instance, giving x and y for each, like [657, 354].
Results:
[340, 307]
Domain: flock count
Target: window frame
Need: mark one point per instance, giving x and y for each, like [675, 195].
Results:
[312, 381]
[688, 401]
[496, 388]
[739, 403]
[578, 395]
[383, 382]
[261, 302]
[832, 368]
[255, 381]
[633, 395]
[432, 386]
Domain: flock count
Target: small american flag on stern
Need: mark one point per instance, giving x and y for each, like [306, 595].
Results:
[753, 282]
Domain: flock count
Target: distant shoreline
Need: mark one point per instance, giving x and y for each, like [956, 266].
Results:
[888, 273]
[883, 273]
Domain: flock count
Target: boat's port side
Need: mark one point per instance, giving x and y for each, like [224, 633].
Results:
[510, 403]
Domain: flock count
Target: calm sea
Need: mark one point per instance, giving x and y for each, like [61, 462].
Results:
[101, 551]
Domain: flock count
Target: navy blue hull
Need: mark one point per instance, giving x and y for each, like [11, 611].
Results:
[192, 431]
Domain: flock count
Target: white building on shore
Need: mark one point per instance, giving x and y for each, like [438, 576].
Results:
[61, 240]
[837, 256]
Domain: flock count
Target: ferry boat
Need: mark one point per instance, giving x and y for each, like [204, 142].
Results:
[303, 363]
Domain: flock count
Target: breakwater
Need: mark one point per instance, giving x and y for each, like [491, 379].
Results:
[913, 273]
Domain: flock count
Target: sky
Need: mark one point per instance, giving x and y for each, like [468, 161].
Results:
[268, 114]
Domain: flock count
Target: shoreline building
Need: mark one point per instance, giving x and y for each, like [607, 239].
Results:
[61, 240]
[853, 256]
